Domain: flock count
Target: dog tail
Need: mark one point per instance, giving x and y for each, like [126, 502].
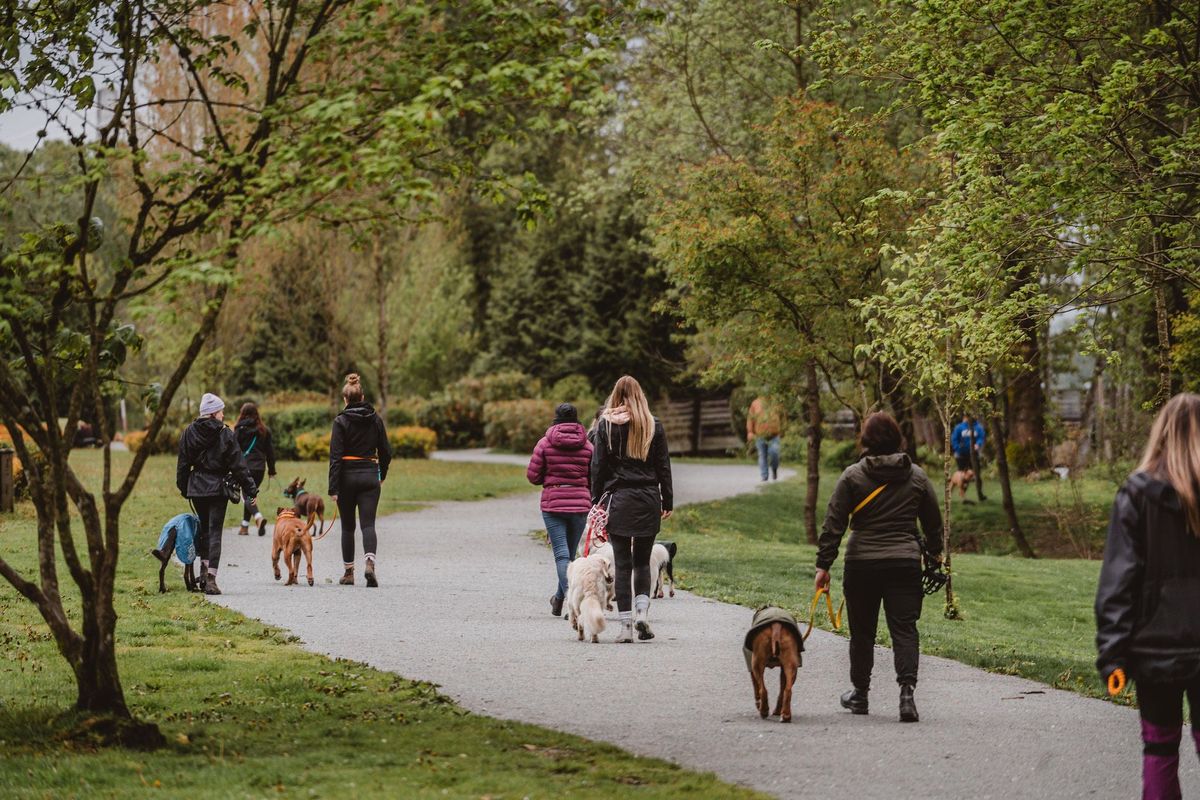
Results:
[776, 633]
[593, 615]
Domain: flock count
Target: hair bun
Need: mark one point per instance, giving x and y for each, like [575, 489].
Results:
[352, 379]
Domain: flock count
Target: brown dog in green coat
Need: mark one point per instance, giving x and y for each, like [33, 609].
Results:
[774, 640]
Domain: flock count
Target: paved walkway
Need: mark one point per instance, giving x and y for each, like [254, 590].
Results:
[463, 603]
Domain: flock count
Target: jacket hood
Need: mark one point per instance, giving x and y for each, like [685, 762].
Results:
[359, 413]
[1159, 490]
[567, 436]
[246, 425]
[204, 431]
[618, 415]
[885, 469]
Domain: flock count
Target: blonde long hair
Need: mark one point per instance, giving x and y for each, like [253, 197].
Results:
[1173, 452]
[628, 393]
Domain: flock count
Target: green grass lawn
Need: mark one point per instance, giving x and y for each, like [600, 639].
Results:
[1021, 617]
[247, 713]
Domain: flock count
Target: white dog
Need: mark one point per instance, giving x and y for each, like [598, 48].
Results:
[660, 558]
[605, 552]
[588, 582]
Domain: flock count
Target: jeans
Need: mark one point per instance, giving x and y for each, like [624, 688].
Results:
[250, 504]
[359, 492]
[1161, 708]
[896, 583]
[768, 451]
[211, 511]
[564, 531]
[631, 557]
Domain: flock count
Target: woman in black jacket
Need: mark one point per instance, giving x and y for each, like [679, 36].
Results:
[631, 476]
[359, 455]
[255, 442]
[1148, 600]
[881, 497]
[208, 452]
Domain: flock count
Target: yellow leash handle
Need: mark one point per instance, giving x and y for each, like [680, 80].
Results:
[834, 619]
[1116, 682]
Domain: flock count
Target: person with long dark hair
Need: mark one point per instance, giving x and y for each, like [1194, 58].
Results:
[208, 453]
[631, 475]
[1147, 626]
[881, 497]
[254, 439]
[359, 455]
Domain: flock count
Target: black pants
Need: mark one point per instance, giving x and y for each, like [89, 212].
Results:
[1161, 707]
[250, 504]
[211, 511]
[631, 556]
[359, 492]
[896, 583]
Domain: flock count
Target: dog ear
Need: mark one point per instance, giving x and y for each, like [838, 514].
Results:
[304, 481]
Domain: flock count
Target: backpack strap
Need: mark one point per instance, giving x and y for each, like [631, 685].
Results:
[868, 499]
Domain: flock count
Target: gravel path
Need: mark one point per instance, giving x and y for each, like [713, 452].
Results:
[463, 603]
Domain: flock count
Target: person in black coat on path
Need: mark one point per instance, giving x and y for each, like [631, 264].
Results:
[208, 452]
[255, 442]
[359, 455]
[1148, 599]
[631, 476]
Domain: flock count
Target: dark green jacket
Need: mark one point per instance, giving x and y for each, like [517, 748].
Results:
[768, 615]
[886, 528]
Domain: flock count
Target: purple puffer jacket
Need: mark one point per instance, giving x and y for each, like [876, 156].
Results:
[561, 463]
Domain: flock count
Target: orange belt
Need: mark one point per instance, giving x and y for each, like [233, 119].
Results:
[359, 458]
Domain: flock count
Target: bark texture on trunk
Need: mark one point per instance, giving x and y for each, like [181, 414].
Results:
[812, 396]
[1028, 399]
[1010, 508]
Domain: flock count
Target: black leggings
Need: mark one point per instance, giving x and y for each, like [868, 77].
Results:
[250, 504]
[211, 511]
[632, 557]
[359, 492]
[896, 583]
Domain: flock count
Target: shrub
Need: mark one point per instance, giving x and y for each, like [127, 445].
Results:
[510, 385]
[134, 440]
[167, 440]
[457, 423]
[411, 441]
[1023, 459]
[576, 390]
[287, 422]
[840, 454]
[517, 424]
[403, 411]
[312, 446]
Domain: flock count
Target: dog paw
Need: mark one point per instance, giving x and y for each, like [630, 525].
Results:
[785, 719]
[310, 581]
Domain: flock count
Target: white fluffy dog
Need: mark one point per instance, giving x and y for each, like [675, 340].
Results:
[605, 552]
[660, 557]
[588, 582]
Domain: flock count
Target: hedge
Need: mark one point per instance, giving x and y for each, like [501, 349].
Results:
[407, 441]
[517, 424]
[457, 415]
[287, 422]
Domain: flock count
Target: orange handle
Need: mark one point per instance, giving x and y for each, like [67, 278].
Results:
[1116, 682]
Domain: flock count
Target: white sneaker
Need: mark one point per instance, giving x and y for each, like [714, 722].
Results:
[626, 634]
[643, 624]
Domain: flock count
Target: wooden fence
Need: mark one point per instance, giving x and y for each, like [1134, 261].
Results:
[698, 425]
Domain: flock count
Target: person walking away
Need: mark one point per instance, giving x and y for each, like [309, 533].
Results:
[255, 442]
[208, 452]
[631, 475]
[359, 455]
[966, 440]
[881, 497]
[1147, 625]
[764, 426]
[561, 465]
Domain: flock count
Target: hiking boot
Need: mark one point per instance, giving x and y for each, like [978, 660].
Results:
[369, 573]
[643, 625]
[908, 706]
[556, 605]
[348, 578]
[210, 586]
[626, 634]
[262, 526]
[243, 531]
[855, 701]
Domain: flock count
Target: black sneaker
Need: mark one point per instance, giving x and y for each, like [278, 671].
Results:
[556, 605]
[908, 706]
[855, 701]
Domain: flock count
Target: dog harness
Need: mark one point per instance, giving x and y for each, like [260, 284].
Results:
[186, 526]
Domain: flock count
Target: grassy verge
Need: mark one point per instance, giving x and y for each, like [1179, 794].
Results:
[247, 713]
[1021, 617]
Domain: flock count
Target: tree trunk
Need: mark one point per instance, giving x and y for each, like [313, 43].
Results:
[1010, 508]
[1028, 398]
[1163, 336]
[96, 678]
[893, 391]
[951, 607]
[381, 285]
[812, 396]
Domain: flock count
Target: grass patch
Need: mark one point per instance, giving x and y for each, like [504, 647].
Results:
[247, 713]
[1021, 617]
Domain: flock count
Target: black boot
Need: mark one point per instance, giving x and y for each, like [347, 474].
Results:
[556, 605]
[855, 701]
[908, 706]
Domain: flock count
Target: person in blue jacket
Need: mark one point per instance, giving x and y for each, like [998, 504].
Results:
[966, 441]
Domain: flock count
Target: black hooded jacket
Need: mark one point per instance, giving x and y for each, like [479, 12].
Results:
[886, 527]
[208, 451]
[641, 490]
[358, 435]
[1148, 600]
[262, 452]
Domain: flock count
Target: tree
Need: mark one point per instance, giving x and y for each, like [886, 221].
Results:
[284, 111]
[769, 256]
